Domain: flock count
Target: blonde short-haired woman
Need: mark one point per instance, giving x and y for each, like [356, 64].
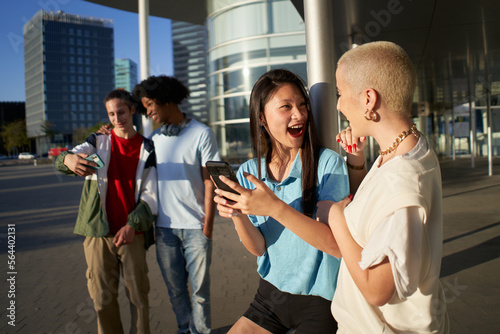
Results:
[390, 234]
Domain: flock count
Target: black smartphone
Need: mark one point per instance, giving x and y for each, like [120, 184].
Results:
[216, 168]
[95, 158]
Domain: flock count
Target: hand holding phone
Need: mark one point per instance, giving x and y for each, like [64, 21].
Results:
[216, 168]
[95, 159]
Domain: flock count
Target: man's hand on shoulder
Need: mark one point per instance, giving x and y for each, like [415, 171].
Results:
[79, 165]
[105, 129]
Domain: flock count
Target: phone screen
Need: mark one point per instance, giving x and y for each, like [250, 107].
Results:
[216, 168]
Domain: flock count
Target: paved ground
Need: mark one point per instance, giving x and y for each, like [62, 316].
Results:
[50, 288]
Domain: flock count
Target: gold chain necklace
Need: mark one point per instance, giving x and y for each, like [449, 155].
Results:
[400, 138]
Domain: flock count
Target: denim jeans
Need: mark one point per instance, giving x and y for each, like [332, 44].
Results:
[185, 254]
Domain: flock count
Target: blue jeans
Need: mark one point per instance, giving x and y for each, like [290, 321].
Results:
[186, 254]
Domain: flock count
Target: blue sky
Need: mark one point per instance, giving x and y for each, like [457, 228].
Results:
[15, 13]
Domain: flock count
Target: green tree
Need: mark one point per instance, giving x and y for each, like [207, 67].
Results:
[81, 134]
[14, 136]
[48, 129]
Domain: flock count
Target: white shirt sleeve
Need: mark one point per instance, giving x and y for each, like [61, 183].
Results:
[399, 238]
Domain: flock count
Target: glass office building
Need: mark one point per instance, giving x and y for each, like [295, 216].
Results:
[125, 74]
[126, 78]
[245, 40]
[190, 66]
[69, 68]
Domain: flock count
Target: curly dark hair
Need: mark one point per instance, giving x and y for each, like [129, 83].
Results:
[162, 89]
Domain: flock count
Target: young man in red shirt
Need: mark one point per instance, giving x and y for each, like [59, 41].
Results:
[118, 207]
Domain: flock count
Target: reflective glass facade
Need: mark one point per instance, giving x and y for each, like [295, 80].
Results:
[125, 74]
[126, 78]
[245, 40]
[190, 66]
[69, 68]
[453, 103]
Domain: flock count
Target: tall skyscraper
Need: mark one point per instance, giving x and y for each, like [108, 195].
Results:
[69, 68]
[190, 66]
[126, 78]
[125, 74]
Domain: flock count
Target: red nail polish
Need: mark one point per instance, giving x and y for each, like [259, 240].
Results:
[338, 140]
[350, 196]
[354, 147]
[349, 148]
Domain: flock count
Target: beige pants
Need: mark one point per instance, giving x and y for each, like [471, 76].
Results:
[105, 262]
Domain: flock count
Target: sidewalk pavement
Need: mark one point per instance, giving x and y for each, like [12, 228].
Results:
[52, 295]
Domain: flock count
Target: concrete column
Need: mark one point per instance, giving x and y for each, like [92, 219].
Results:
[450, 139]
[472, 112]
[321, 64]
[448, 117]
[147, 125]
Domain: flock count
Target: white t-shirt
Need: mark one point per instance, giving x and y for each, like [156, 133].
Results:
[179, 162]
[396, 213]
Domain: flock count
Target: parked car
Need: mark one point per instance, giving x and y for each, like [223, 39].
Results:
[3, 157]
[26, 155]
[55, 151]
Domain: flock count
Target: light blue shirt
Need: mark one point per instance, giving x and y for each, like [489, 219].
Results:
[289, 263]
[179, 162]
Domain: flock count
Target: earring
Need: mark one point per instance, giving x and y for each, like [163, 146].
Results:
[370, 115]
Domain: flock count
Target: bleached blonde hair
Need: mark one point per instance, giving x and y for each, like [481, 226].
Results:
[385, 67]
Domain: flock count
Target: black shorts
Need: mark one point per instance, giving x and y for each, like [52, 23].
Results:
[278, 312]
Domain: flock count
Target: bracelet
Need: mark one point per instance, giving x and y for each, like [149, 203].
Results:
[360, 167]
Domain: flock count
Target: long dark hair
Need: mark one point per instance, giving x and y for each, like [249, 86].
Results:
[262, 91]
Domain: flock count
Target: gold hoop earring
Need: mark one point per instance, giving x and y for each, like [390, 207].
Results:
[370, 115]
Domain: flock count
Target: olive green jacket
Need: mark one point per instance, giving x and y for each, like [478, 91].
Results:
[92, 220]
